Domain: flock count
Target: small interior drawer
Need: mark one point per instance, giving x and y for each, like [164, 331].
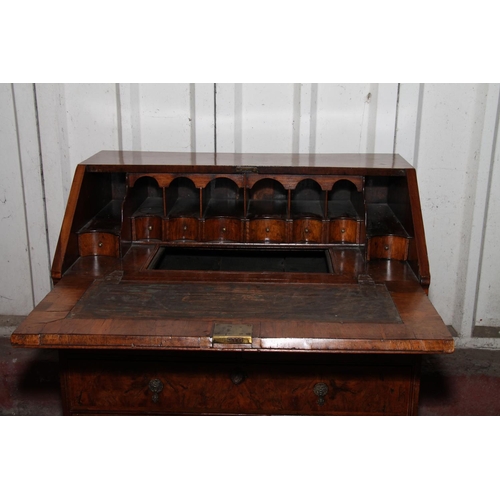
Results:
[148, 228]
[267, 230]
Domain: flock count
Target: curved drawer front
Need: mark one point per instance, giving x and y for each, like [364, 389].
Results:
[388, 247]
[148, 228]
[227, 388]
[267, 230]
[344, 231]
[182, 228]
[223, 229]
[307, 231]
[98, 243]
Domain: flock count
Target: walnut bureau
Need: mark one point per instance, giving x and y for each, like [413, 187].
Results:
[199, 283]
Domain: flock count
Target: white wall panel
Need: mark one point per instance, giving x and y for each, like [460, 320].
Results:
[343, 114]
[15, 281]
[161, 117]
[34, 199]
[448, 156]
[306, 118]
[409, 114]
[167, 117]
[255, 117]
[355, 118]
[488, 303]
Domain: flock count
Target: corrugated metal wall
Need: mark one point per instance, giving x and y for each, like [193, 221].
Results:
[448, 131]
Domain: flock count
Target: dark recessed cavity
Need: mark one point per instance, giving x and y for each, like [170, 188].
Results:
[270, 261]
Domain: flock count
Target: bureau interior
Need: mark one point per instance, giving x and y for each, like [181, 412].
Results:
[371, 212]
[261, 260]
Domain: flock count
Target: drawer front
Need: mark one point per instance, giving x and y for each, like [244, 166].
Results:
[307, 231]
[388, 247]
[223, 229]
[97, 243]
[344, 231]
[148, 228]
[267, 230]
[183, 228]
[225, 388]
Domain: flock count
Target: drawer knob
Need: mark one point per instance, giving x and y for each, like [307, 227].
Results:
[99, 244]
[237, 378]
[155, 386]
[184, 228]
[267, 230]
[320, 389]
[150, 228]
[306, 230]
[386, 247]
[224, 229]
[342, 230]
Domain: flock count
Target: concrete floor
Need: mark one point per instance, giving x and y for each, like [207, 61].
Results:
[466, 382]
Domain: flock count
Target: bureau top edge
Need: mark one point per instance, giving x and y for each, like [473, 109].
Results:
[141, 161]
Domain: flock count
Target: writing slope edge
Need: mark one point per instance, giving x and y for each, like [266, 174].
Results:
[414, 326]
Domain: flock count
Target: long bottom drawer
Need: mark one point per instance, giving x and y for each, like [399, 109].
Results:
[255, 384]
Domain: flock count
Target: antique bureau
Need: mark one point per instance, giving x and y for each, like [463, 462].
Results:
[240, 284]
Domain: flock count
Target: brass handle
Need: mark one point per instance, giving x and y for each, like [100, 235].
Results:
[155, 386]
[224, 229]
[320, 389]
[237, 378]
[150, 228]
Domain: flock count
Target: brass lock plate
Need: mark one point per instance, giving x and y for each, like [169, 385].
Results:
[230, 333]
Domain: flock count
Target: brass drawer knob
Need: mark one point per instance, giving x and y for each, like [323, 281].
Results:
[306, 230]
[184, 228]
[150, 228]
[342, 230]
[267, 230]
[155, 386]
[99, 244]
[224, 229]
[321, 390]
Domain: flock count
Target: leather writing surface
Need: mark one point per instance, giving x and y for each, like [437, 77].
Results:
[321, 303]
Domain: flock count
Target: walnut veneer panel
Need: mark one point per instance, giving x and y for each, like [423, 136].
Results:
[241, 385]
